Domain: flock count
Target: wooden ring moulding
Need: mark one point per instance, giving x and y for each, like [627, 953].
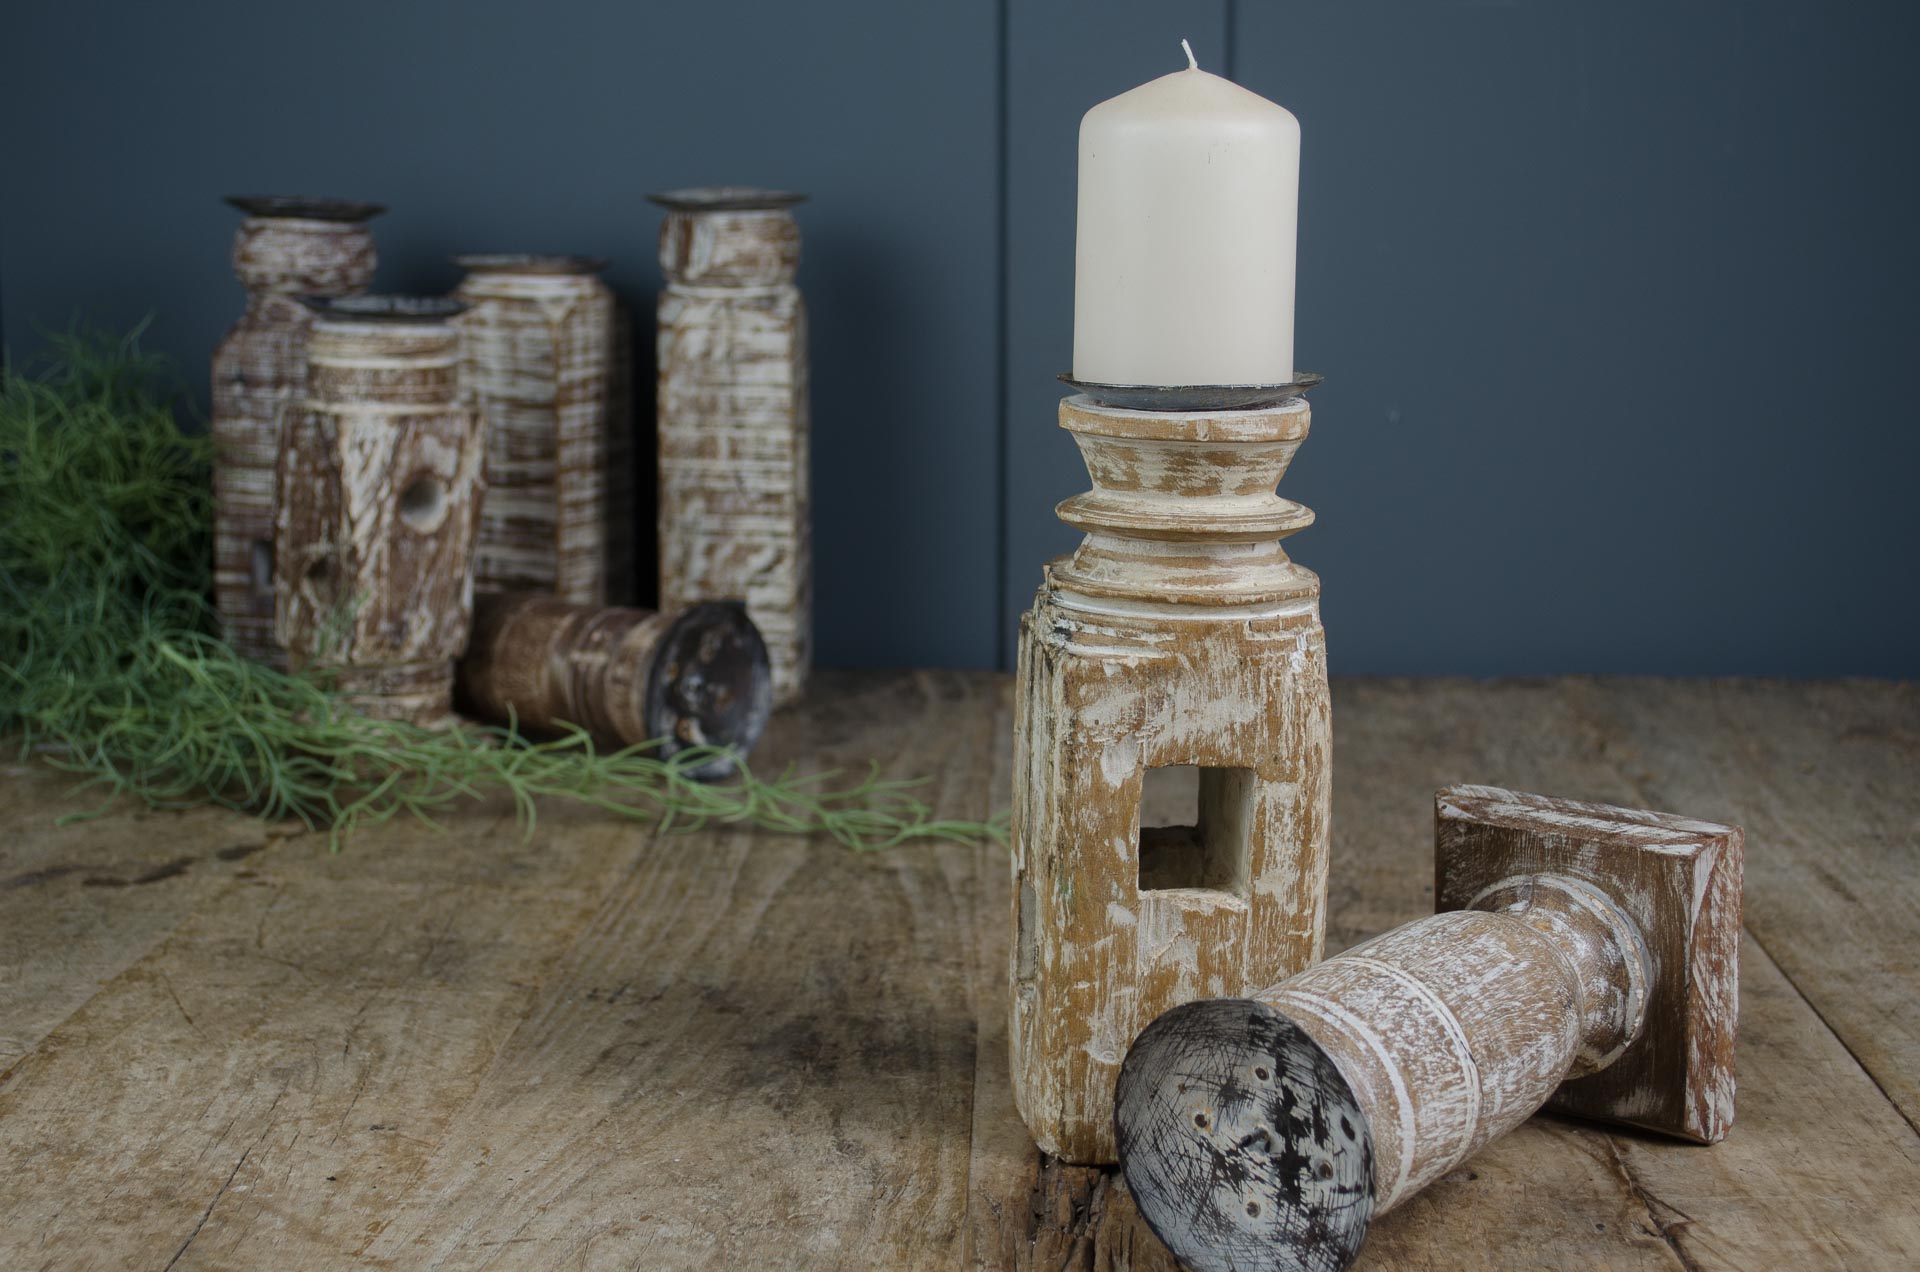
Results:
[1585, 959]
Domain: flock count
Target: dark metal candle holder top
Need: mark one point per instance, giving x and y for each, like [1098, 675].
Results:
[725, 199]
[528, 263]
[305, 208]
[386, 309]
[1194, 397]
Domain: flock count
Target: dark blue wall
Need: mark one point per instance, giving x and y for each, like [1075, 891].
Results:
[1614, 300]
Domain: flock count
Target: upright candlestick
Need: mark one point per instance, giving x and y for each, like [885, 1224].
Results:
[1184, 267]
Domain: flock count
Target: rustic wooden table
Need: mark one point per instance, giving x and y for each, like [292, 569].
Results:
[221, 1046]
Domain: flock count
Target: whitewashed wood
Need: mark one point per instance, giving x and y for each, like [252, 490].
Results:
[1179, 633]
[380, 487]
[1614, 983]
[540, 347]
[259, 366]
[734, 487]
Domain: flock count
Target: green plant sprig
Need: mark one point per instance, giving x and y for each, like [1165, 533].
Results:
[109, 665]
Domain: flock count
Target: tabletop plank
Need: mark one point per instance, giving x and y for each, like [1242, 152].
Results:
[1826, 777]
[602, 1047]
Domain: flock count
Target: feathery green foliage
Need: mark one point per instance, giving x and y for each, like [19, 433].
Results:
[110, 664]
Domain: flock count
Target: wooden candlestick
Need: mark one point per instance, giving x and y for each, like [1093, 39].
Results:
[286, 248]
[543, 352]
[1178, 634]
[696, 678]
[1586, 959]
[733, 427]
[380, 486]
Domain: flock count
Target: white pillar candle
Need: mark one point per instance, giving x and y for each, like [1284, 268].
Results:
[1184, 259]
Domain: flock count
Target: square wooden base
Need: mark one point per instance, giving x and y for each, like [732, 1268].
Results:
[1679, 879]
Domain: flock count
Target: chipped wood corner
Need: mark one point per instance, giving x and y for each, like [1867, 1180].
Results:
[1178, 634]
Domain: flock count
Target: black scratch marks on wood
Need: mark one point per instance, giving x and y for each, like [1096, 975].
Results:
[1241, 1142]
[231, 1175]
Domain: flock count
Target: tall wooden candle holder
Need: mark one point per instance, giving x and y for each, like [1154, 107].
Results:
[1178, 634]
[380, 486]
[285, 249]
[733, 427]
[1587, 960]
[541, 351]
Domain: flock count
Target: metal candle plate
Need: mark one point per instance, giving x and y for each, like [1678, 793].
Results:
[1193, 397]
[386, 309]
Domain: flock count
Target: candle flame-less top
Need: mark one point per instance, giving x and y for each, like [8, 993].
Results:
[1184, 260]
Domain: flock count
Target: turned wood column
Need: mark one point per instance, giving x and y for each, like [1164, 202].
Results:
[1179, 633]
[1587, 961]
[735, 519]
[285, 249]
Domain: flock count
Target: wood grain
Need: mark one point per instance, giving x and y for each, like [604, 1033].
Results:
[826, 1054]
[735, 495]
[540, 349]
[380, 491]
[258, 368]
[1177, 634]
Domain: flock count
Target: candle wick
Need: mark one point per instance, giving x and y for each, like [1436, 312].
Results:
[1192, 65]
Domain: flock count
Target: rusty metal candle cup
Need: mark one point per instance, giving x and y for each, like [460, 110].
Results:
[1586, 960]
[545, 352]
[379, 487]
[287, 247]
[1179, 633]
[735, 519]
[626, 676]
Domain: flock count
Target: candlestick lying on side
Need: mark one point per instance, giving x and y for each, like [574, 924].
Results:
[696, 678]
[1587, 960]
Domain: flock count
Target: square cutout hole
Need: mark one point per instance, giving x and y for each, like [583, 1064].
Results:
[1195, 825]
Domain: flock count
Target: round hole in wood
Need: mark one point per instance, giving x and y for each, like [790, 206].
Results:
[711, 684]
[423, 504]
[319, 582]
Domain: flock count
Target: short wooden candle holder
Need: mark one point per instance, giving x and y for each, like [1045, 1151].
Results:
[285, 249]
[735, 519]
[626, 676]
[1178, 634]
[1586, 960]
[380, 486]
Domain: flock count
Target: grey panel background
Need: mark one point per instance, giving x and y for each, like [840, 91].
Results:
[1615, 301]
[495, 125]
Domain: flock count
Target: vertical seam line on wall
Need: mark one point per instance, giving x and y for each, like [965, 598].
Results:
[1002, 475]
[1232, 34]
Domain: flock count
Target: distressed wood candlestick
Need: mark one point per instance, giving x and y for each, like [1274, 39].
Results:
[733, 427]
[380, 486]
[1586, 959]
[286, 248]
[626, 676]
[540, 354]
[1178, 634]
